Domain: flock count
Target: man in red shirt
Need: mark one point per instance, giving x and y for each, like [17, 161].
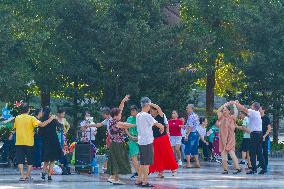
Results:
[175, 125]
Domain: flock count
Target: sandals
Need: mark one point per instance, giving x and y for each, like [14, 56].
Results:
[138, 184]
[225, 172]
[148, 185]
[22, 179]
[237, 171]
[28, 178]
[160, 176]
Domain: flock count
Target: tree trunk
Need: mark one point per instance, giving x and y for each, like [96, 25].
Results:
[210, 85]
[45, 97]
[276, 121]
[75, 104]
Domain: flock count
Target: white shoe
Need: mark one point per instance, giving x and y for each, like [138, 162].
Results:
[179, 163]
[118, 182]
[110, 180]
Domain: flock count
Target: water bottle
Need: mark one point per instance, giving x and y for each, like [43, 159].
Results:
[95, 167]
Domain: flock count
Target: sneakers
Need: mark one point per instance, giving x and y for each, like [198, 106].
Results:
[179, 163]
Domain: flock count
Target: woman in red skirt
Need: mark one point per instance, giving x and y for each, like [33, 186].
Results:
[164, 158]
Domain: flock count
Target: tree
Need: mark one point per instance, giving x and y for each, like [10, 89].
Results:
[262, 27]
[15, 72]
[212, 29]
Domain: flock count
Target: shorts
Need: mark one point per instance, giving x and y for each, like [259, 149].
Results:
[245, 145]
[175, 140]
[146, 154]
[133, 148]
[191, 146]
[23, 152]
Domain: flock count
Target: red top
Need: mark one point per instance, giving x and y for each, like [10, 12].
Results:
[174, 126]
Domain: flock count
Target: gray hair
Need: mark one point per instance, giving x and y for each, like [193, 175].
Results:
[105, 110]
[145, 101]
[256, 105]
[190, 106]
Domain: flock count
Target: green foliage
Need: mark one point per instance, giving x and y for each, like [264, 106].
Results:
[5, 133]
[275, 146]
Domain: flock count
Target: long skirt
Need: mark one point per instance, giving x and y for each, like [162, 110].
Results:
[164, 158]
[118, 160]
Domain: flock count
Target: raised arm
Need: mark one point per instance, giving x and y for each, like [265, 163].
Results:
[240, 107]
[122, 103]
[158, 108]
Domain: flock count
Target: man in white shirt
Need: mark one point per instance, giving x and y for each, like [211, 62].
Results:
[256, 136]
[145, 122]
[88, 134]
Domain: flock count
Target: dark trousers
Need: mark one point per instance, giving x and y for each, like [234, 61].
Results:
[6, 150]
[265, 150]
[205, 149]
[256, 150]
[37, 151]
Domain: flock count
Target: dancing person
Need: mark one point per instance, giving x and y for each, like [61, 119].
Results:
[175, 126]
[227, 124]
[145, 122]
[202, 134]
[105, 112]
[24, 126]
[51, 150]
[38, 141]
[256, 136]
[132, 143]
[246, 140]
[164, 158]
[192, 137]
[266, 128]
[118, 163]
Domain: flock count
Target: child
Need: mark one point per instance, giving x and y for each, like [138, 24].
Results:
[213, 135]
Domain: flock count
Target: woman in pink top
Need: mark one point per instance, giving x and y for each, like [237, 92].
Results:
[227, 142]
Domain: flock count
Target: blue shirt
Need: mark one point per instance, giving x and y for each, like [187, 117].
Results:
[192, 122]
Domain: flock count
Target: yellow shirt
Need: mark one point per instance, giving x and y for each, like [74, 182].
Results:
[24, 126]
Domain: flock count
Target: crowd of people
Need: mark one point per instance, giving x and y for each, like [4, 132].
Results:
[154, 143]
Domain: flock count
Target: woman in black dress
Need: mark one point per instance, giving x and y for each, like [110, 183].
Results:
[51, 150]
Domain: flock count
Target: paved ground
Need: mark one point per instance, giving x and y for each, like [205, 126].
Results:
[207, 177]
